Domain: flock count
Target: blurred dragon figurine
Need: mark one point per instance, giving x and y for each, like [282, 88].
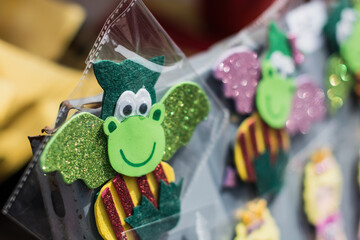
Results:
[322, 195]
[129, 145]
[256, 222]
[277, 106]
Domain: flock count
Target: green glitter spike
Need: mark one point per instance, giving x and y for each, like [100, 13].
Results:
[115, 78]
[78, 150]
[186, 105]
[270, 176]
[150, 222]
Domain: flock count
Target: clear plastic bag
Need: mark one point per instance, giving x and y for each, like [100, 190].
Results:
[49, 208]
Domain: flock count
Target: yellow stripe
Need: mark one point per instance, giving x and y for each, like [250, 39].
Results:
[101, 219]
[169, 172]
[239, 162]
[154, 187]
[259, 135]
[133, 188]
[238, 155]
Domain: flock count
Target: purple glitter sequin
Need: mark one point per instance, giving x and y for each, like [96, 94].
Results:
[298, 57]
[308, 106]
[230, 178]
[239, 70]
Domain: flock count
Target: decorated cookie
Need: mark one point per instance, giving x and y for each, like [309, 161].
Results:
[280, 100]
[261, 154]
[279, 104]
[256, 222]
[322, 195]
[128, 145]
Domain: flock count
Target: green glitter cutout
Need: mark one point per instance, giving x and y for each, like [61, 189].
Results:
[186, 105]
[116, 78]
[339, 83]
[78, 150]
[270, 175]
[150, 222]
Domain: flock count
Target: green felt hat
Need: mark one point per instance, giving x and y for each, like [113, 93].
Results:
[116, 78]
[278, 41]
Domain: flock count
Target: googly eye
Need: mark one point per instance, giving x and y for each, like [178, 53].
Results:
[143, 102]
[126, 110]
[125, 106]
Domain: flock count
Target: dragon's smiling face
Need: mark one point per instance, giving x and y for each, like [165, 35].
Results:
[274, 97]
[136, 140]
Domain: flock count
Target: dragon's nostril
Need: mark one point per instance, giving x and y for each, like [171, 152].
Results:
[157, 115]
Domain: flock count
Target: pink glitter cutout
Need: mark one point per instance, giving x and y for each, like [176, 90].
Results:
[239, 70]
[230, 178]
[308, 106]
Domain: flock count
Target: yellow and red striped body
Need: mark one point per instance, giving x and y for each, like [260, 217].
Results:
[254, 137]
[120, 195]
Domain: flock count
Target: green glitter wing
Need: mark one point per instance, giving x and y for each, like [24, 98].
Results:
[150, 222]
[339, 83]
[78, 150]
[186, 105]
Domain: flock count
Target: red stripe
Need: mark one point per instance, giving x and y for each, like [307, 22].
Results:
[145, 190]
[160, 174]
[266, 134]
[253, 139]
[124, 195]
[248, 164]
[280, 140]
[112, 214]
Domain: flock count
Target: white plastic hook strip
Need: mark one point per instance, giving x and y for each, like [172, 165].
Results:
[144, 62]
